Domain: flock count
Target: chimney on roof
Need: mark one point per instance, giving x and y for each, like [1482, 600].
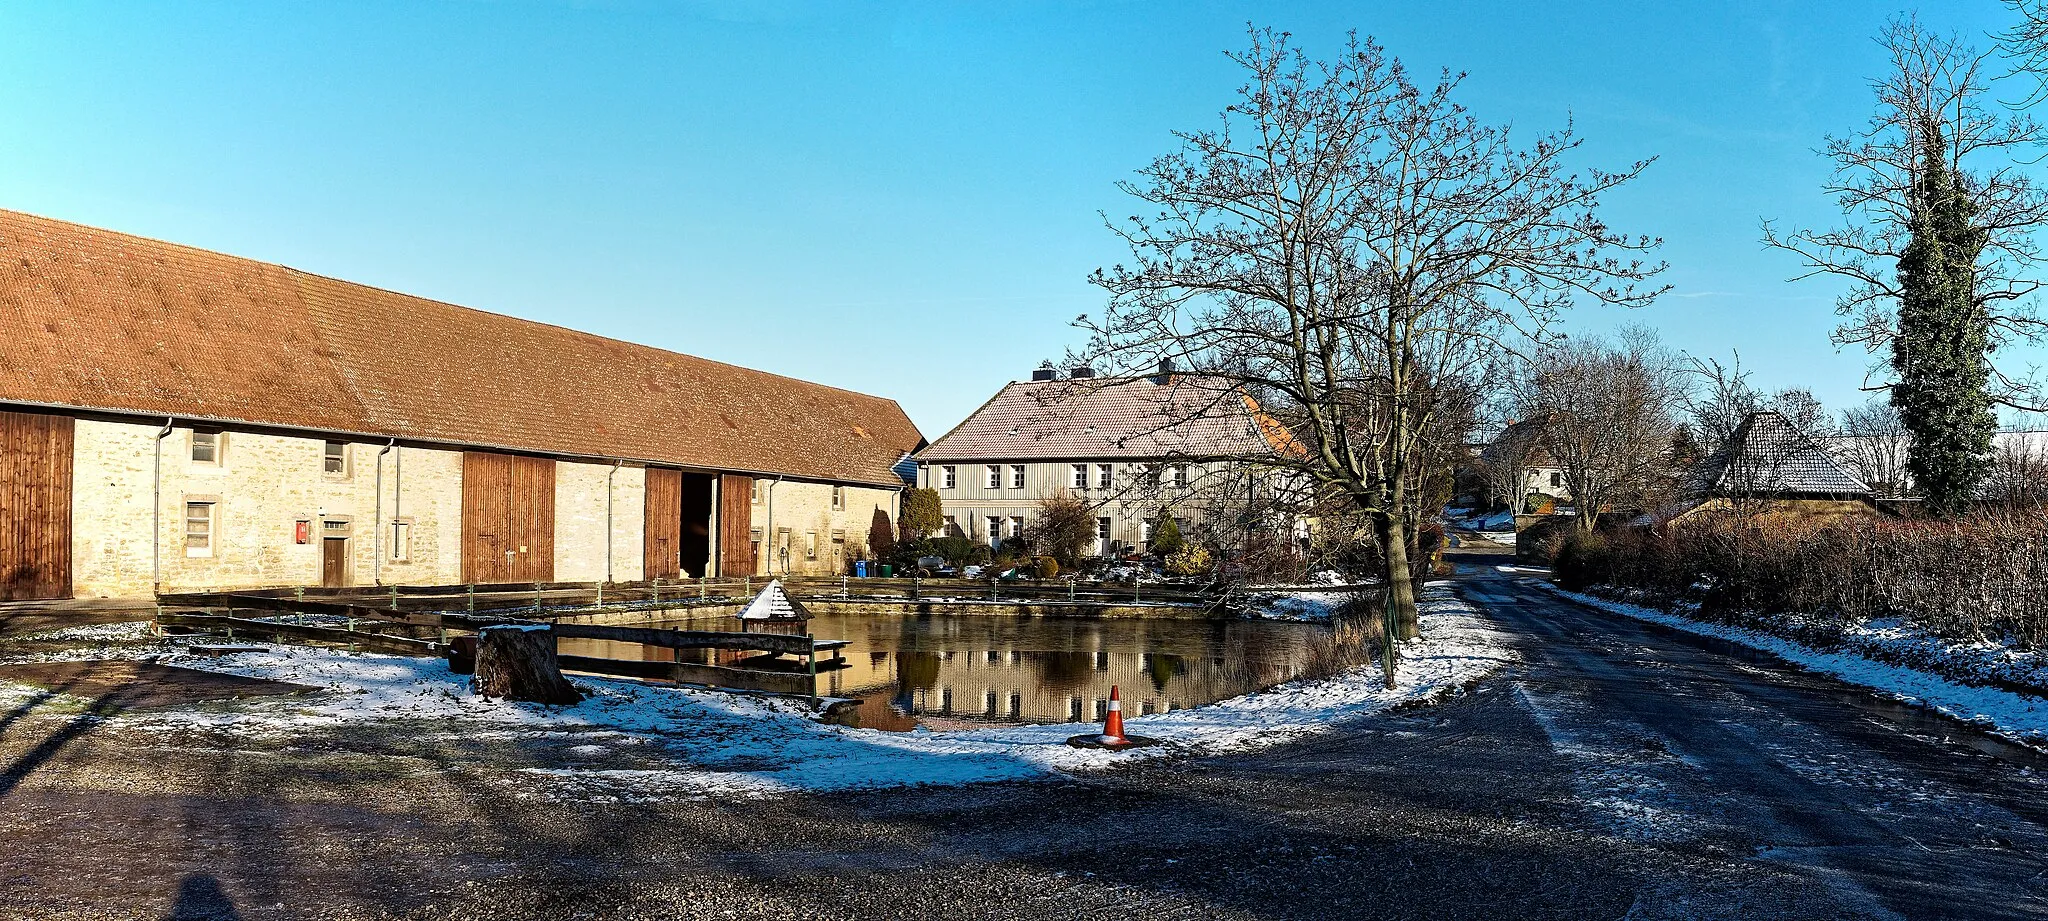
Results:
[1165, 375]
[1078, 372]
[1045, 372]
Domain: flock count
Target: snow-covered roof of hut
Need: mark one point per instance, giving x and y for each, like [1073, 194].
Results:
[1768, 455]
[772, 603]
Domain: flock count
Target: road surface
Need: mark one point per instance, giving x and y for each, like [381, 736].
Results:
[1616, 771]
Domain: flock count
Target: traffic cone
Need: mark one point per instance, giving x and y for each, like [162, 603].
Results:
[1113, 721]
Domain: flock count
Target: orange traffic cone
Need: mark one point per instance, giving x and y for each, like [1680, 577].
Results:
[1113, 721]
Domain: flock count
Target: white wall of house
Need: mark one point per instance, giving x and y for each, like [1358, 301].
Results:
[1127, 499]
[814, 528]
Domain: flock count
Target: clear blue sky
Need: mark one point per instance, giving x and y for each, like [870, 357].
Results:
[896, 198]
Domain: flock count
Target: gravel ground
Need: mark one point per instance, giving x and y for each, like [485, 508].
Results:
[1617, 771]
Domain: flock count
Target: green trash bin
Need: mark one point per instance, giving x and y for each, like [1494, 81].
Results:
[888, 571]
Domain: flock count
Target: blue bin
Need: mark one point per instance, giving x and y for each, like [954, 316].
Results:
[860, 569]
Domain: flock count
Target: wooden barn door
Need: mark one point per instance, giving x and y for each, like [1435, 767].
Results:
[664, 524]
[735, 526]
[508, 518]
[35, 506]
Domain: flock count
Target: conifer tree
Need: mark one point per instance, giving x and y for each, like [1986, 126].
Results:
[1941, 352]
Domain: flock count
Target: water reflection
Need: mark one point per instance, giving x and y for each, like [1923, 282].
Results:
[944, 671]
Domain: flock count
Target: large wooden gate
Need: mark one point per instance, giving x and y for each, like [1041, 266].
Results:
[664, 524]
[508, 518]
[35, 506]
[735, 525]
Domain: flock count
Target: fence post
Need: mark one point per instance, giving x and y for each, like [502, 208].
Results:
[703, 587]
[657, 589]
[394, 598]
[472, 597]
[600, 596]
[536, 598]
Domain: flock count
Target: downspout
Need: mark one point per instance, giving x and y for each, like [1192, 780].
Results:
[377, 517]
[156, 513]
[608, 519]
[770, 534]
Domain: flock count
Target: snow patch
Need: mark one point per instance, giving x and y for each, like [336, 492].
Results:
[709, 743]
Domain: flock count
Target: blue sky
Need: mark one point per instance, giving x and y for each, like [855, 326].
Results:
[895, 198]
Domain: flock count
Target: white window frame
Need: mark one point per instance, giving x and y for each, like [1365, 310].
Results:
[1016, 476]
[211, 531]
[1105, 476]
[1016, 526]
[1080, 478]
[995, 475]
[948, 476]
[1102, 532]
[839, 498]
[1180, 475]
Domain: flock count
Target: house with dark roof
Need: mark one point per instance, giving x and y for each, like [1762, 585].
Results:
[1768, 464]
[173, 418]
[1136, 448]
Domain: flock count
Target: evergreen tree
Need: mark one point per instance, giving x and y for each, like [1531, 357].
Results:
[1941, 352]
[881, 536]
[1167, 540]
[922, 514]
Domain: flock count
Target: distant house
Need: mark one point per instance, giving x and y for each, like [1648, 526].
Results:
[1514, 465]
[1768, 464]
[1137, 449]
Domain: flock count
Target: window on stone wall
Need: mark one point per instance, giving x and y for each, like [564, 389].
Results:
[810, 545]
[1016, 476]
[757, 492]
[839, 498]
[199, 529]
[206, 448]
[401, 541]
[334, 458]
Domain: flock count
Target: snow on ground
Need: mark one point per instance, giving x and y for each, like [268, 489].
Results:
[1300, 606]
[712, 743]
[2020, 717]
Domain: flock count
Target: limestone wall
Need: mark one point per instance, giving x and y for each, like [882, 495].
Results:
[821, 539]
[580, 491]
[260, 488]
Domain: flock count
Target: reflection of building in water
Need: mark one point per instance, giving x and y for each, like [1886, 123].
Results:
[907, 669]
[1007, 670]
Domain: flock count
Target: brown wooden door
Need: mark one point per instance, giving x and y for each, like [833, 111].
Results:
[735, 525]
[35, 506]
[334, 562]
[664, 523]
[508, 503]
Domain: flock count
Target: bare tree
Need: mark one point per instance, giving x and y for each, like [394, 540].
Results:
[1937, 88]
[1612, 410]
[1717, 400]
[1872, 443]
[1340, 247]
[2019, 472]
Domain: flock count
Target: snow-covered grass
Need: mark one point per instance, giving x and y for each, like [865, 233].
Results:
[1300, 606]
[730, 744]
[2020, 717]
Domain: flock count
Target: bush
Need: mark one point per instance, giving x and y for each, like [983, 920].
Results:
[1970, 579]
[1583, 560]
[1062, 527]
[1048, 567]
[922, 514]
[1191, 560]
[1167, 541]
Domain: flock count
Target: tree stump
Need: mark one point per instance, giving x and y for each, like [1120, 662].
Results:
[518, 663]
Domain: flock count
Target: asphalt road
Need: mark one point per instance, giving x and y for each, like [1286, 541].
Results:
[1615, 772]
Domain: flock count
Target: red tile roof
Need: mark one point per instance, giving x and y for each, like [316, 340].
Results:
[1181, 415]
[94, 319]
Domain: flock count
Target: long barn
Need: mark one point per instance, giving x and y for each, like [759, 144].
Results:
[176, 419]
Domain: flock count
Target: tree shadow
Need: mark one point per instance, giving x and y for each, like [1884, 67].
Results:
[201, 898]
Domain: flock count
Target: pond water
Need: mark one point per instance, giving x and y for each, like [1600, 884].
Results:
[945, 671]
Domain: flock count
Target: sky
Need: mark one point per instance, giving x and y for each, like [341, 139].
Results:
[903, 199]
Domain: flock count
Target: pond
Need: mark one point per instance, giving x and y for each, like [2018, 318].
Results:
[948, 672]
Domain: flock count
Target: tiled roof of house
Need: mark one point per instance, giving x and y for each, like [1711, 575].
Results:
[1178, 415]
[99, 320]
[1766, 455]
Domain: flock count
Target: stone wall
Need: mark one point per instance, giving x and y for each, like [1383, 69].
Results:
[262, 486]
[580, 491]
[821, 539]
